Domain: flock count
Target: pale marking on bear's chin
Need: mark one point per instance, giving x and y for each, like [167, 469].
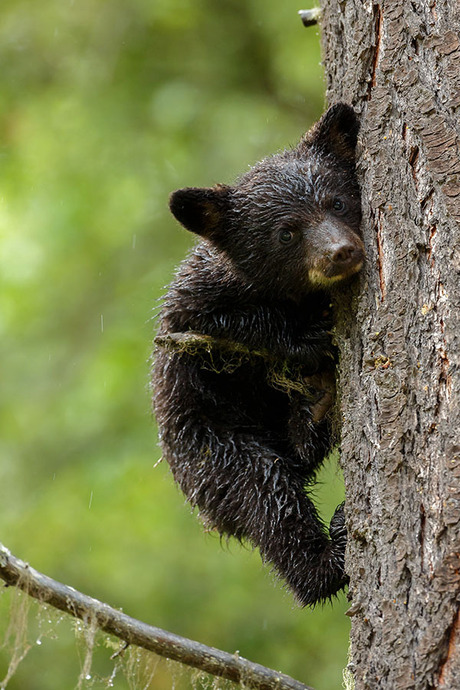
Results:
[317, 277]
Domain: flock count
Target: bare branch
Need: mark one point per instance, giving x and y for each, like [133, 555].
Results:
[16, 573]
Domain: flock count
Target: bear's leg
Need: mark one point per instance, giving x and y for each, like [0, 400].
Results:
[244, 489]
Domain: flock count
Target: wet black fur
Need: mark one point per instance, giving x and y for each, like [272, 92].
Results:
[242, 451]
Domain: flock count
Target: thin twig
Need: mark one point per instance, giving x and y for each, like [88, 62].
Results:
[194, 342]
[310, 17]
[16, 573]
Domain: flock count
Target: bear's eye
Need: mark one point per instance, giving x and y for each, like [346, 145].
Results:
[339, 205]
[285, 236]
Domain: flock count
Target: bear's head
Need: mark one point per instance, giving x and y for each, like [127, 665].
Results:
[292, 223]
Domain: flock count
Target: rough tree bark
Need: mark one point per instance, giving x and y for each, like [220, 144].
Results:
[398, 62]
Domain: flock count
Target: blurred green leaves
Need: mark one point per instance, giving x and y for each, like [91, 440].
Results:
[105, 107]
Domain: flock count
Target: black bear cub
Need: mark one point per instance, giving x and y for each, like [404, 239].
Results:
[244, 365]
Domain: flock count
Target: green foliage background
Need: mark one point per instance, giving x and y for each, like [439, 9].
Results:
[105, 107]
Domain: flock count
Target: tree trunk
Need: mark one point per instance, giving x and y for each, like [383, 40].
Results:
[398, 62]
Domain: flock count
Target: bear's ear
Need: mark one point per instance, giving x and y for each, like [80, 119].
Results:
[336, 132]
[202, 210]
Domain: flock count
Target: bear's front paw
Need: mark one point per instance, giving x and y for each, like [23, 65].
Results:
[324, 384]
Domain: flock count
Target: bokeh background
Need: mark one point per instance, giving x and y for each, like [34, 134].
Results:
[105, 107]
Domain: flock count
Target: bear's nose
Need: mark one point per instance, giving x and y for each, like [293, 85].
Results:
[345, 254]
